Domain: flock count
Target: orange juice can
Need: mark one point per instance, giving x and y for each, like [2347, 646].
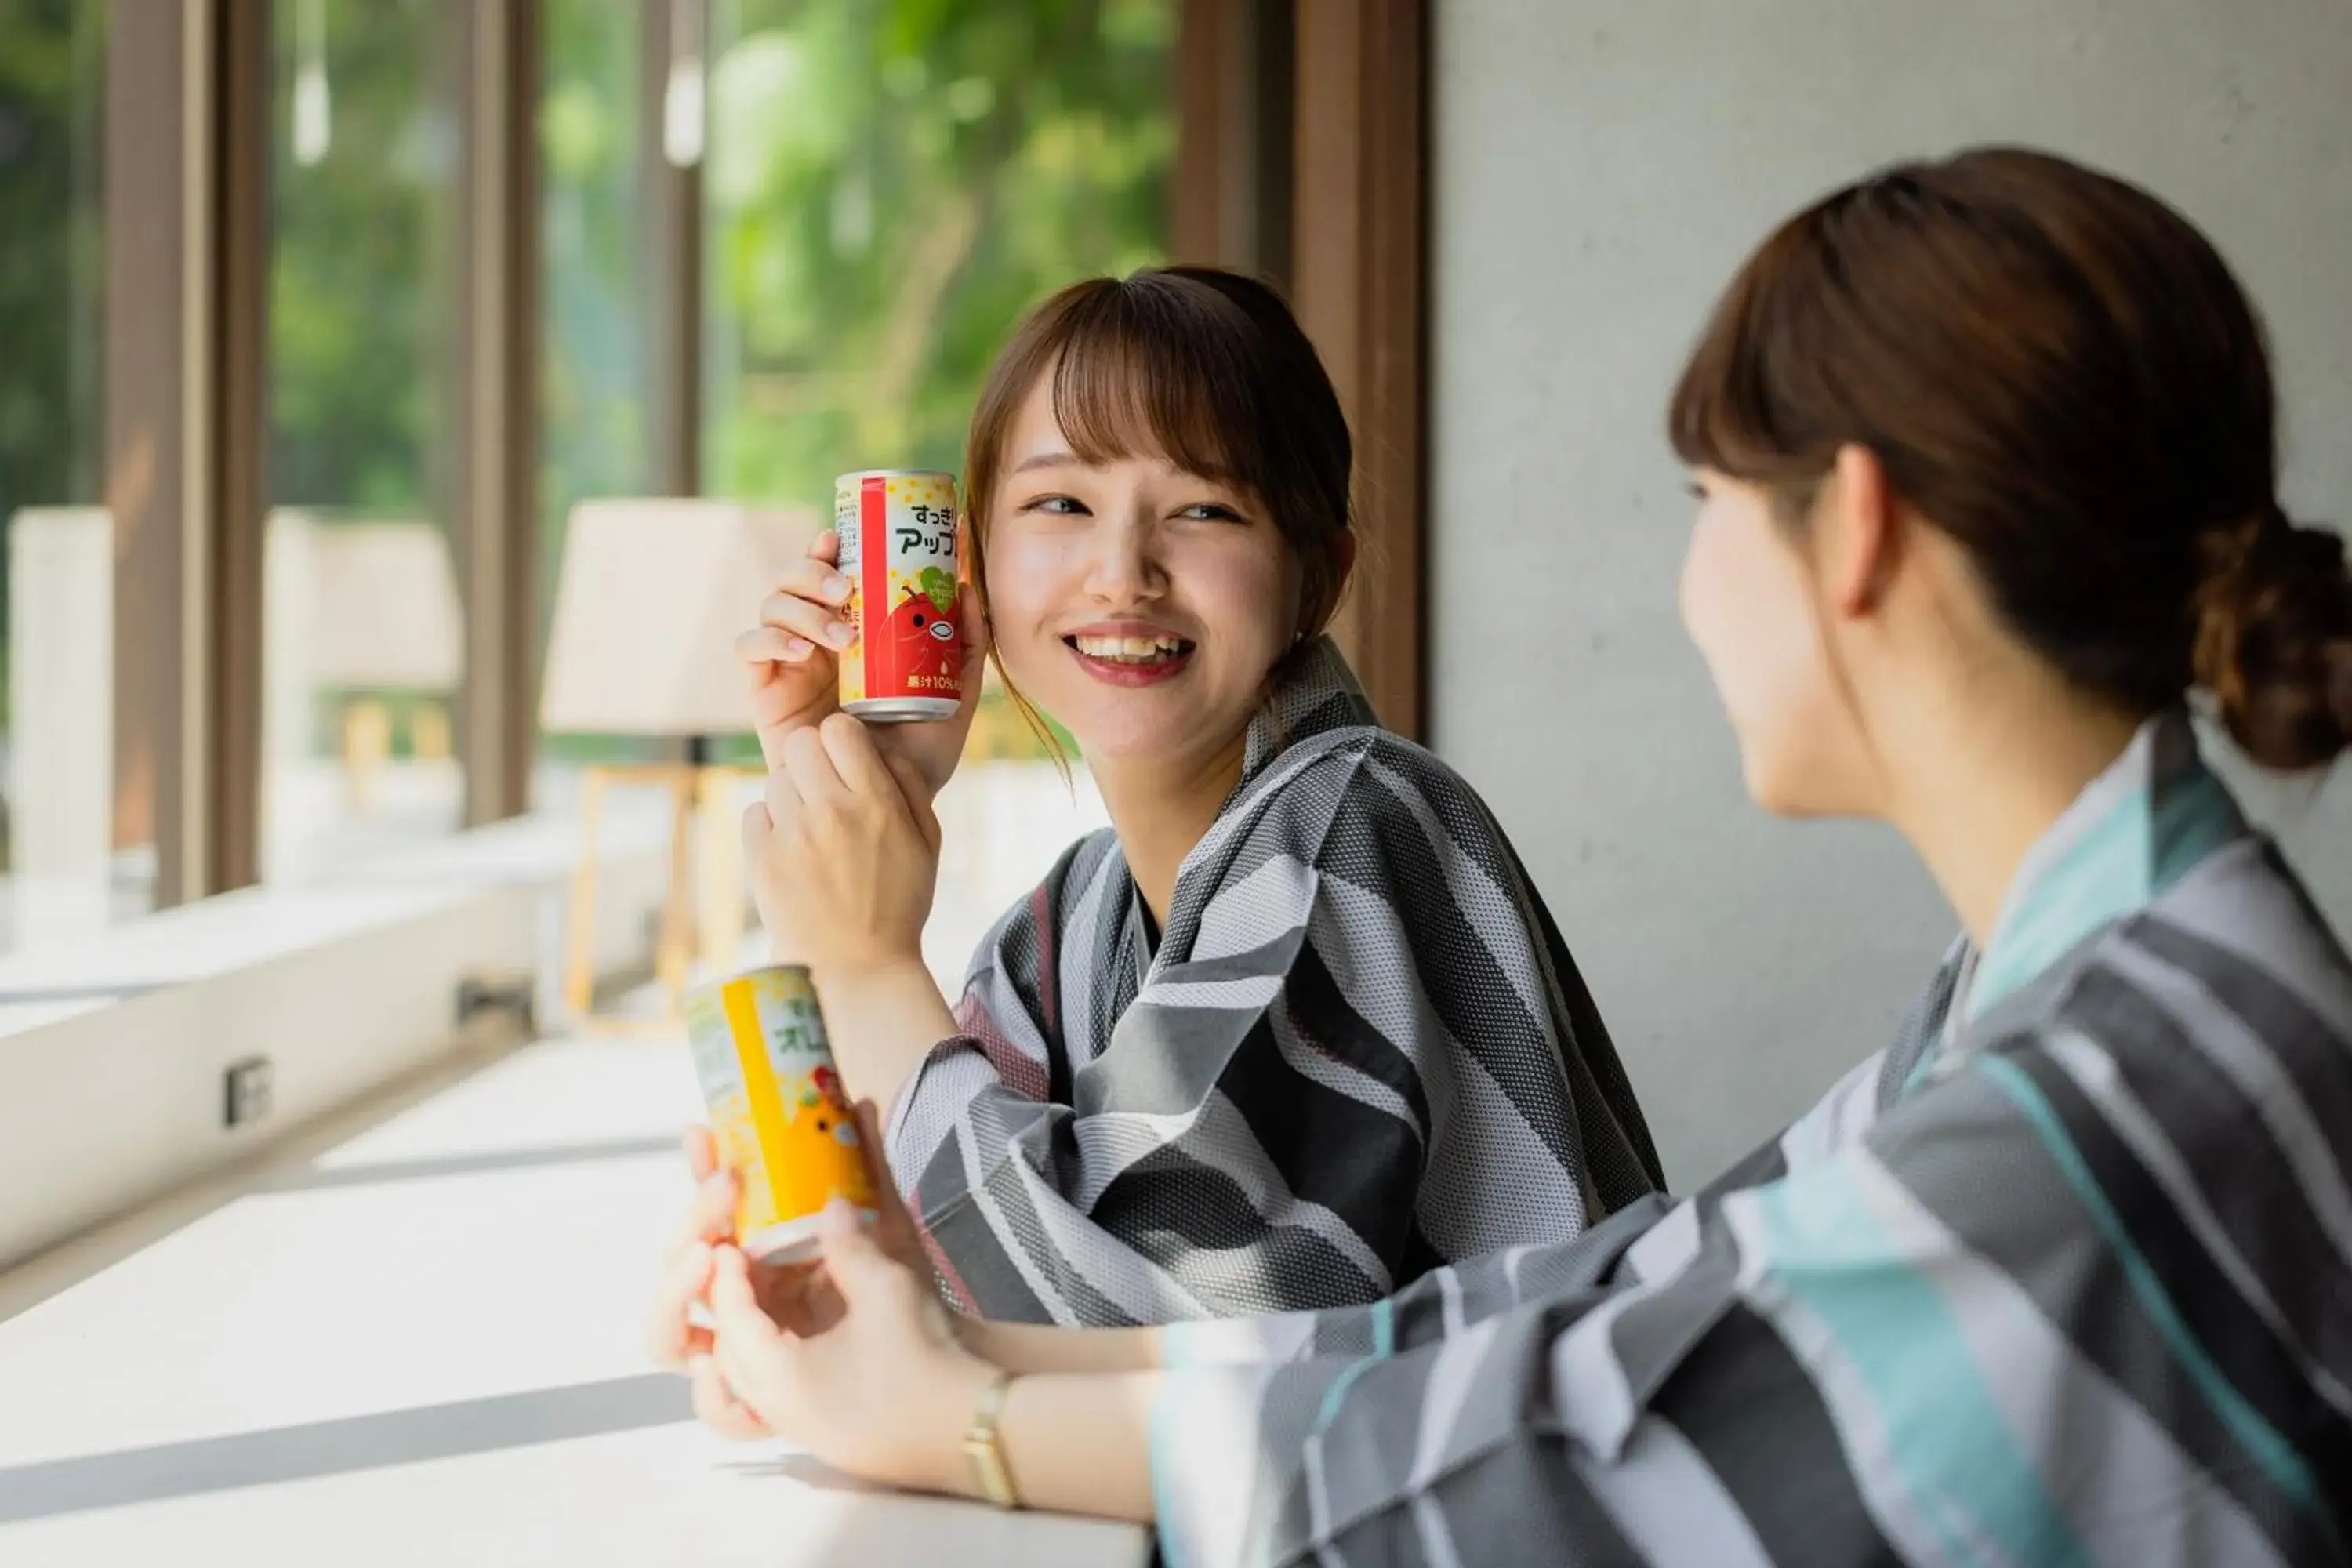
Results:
[777, 1108]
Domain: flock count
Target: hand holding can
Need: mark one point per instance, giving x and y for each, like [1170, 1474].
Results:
[796, 663]
[792, 656]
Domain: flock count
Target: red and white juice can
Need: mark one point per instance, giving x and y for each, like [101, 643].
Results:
[897, 531]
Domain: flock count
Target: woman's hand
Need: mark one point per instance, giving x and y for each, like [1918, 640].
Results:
[793, 1294]
[885, 1393]
[798, 1298]
[844, 852]
[793, 657]
[673, 1338]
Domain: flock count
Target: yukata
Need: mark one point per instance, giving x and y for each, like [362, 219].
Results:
[2063, 1276]
[1358, 1050]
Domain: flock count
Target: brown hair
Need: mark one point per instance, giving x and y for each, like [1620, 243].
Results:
[1205, 367]
[2059, 371]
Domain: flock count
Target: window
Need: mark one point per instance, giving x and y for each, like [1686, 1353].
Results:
[363, 642]
[597, 311]
[60, 875]
[888, 187]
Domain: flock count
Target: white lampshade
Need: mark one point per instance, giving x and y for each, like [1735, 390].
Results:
[648, 602]
[368, 604]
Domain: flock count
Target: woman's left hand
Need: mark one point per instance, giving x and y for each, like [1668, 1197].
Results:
[885, 1392]
[844, 852]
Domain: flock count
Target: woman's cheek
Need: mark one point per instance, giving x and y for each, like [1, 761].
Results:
[1703, 595]
[1022, 577]
[1244, 598]
[1727, 611]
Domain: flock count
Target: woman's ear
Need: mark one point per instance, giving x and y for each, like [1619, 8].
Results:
[1340, 558]
[1857, 532]
[1343, 561]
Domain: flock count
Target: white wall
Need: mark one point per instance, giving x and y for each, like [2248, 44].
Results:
[1600, 168]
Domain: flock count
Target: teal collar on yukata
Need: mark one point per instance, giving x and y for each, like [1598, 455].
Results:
[2133, 832]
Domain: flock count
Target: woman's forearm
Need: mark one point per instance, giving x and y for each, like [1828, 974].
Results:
[1081, 1443]
[1037, 1348]
[882, 1022]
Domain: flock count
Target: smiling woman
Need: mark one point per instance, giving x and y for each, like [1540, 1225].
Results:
[1295, 1029]
[1169, 446]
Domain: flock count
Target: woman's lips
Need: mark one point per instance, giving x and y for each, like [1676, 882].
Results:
[1132, 672]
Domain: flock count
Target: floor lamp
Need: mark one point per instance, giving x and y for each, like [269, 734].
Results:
[649, 599]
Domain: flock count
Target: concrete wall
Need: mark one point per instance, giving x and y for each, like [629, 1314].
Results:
[1600, 168]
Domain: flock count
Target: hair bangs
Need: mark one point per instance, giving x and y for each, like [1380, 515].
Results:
[1140, 372]
[1731, 409]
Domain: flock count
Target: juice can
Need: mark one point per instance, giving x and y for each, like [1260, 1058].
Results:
[777, 1109]
[898, 531]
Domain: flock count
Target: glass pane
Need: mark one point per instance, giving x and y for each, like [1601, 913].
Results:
[595, 308]
[60, 873]
[362, 639]
[890, 184]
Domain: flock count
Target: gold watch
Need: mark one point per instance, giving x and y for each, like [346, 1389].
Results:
[985, 1450]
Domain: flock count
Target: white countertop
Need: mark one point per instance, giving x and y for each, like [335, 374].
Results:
[423, 1346]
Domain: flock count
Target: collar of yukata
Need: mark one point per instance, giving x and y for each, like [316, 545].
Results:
[1317, 692]
[2134, 831]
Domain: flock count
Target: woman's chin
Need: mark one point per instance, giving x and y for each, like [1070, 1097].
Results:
[1141, 727]
[1124, 724]
[1785, 790]
[1126, 746]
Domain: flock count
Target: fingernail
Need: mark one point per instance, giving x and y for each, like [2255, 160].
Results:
[839, 1219]
[837, 633]
[836, 588]
[799, 647]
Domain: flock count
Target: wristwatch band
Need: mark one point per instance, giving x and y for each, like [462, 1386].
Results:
[981, 1447]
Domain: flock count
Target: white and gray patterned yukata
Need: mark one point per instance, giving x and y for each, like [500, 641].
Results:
[1358, 1051]
[2062, 1277]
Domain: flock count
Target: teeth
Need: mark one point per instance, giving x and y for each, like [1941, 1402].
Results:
[1129, 650]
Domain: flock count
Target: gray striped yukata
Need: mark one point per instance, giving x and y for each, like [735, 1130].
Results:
[1359, 1050]
[2062, 1277]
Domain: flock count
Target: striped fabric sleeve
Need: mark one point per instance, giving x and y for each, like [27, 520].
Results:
[1355, 1057]
[1986, 1330]
[1647, 1238]
[1439, 1304]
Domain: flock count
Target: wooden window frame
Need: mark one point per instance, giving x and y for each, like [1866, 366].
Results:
[186, 192]
[186, 210]
[1348, 243]
[496, 426]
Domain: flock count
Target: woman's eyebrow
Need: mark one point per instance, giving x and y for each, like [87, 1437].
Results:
[1042, 461]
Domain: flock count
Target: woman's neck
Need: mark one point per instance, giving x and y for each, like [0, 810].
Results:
[1974, 783]
[1160, 808]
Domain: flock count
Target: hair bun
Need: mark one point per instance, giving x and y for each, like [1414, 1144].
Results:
[2274, 640]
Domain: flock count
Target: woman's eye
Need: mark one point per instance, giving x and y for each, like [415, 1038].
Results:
[1210, 512]
[1056, 506]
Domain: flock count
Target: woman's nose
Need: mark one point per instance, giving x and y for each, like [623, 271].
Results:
[1124, 566]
